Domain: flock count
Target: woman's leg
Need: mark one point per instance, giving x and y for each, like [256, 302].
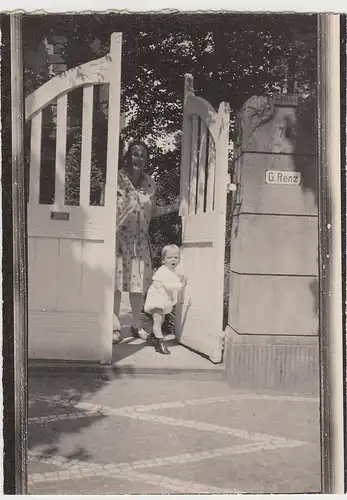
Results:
[136, 306]
[116, 309]
[116, 323]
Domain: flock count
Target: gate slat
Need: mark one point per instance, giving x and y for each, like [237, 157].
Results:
[186, 151]
[60, 157]
[193, 165]
[211, 170]
[86, 148]
[185, 165]
[35, 158]
[202, 168]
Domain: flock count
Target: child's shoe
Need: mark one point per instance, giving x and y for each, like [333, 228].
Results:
[161, 347]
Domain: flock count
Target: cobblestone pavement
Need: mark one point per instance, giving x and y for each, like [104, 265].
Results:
[96, 435]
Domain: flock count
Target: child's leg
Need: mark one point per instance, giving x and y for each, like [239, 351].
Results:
[160, 345]
[158, 318]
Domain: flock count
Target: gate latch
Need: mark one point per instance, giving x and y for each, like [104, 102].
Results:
[231, 186]
[60, 216]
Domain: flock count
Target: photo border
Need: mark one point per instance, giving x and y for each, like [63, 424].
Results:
[331, 258]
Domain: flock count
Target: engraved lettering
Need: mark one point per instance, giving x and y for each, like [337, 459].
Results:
[283, 177]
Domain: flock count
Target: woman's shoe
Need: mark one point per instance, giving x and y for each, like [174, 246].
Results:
[161, 347]
[139, 333]
[116, 337]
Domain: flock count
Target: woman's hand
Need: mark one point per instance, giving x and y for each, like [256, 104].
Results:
[168, 209]
[176, 204]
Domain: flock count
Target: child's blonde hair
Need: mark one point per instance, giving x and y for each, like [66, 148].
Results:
[167, 248]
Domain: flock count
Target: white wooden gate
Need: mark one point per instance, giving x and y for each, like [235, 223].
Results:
[204, 184]
[71, 254]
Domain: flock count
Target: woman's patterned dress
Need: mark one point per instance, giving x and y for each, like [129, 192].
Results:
[135, 208]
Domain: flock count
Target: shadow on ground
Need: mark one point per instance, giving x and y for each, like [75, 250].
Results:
[51, 400]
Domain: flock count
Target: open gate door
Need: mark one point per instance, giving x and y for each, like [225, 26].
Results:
[204, 184]
[71, 249]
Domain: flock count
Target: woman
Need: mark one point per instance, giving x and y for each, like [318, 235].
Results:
[136, 205]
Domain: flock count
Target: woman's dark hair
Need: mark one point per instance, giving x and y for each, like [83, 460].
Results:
[134, 143]
[124, 165]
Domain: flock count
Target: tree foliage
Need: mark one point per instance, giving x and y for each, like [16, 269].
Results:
[231, 56]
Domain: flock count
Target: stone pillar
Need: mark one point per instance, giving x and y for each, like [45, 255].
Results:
[272, 333]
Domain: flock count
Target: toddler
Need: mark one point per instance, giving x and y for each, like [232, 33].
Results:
[163, 292]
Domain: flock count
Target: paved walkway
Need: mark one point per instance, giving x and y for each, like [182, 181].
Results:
[103, 434]
[137, 355]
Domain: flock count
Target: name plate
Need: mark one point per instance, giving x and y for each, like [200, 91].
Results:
[60, 216]
[283, 177]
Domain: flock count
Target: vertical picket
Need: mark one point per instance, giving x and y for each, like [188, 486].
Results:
[186, 150]
[86, 148]
[220, 209]
[60, 156]
[193, 165]
[222, 156]
[110, 193]
[35, 158]
[202, 168]
[211, 174]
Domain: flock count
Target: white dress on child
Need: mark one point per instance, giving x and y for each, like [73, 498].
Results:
[163, 292]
